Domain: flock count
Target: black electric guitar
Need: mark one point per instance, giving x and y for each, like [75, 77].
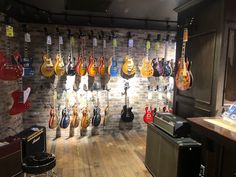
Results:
[96, 119]
[70, 67]
[126, 114]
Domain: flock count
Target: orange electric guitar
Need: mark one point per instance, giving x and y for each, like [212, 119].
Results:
[92, 71]
[146, 69]
[128, 67]
[85, 120]
[53, 120]
[46, 68]
[81, 67]
[59, 66]
[182, 78]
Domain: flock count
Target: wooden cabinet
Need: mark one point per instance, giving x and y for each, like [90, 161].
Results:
[210, 24]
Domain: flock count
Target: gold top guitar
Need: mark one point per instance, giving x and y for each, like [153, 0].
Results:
[59, 66]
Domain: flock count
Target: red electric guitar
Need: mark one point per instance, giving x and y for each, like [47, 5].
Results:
[149, 115]
[21, 102]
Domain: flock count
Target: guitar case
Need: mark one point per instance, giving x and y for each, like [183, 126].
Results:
[65, 120]
[96, 116]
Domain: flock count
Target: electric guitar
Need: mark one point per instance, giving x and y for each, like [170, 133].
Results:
[182, 78]
[92, 71]
[65, 119]
[26, 61]
[146, 69]
[75, 117]
[59, 66]
[70, 67]
[190, 72]
[155, 63]
[96, 119]
[53, 120]
[85, 120]
[10, 71]
[128, 67]
[149, 115]
[126, 114]
[106, 110]
[113, 69]
[167, 71]
[21, 102]
[81, 68]
[46, 68]
[101, 65]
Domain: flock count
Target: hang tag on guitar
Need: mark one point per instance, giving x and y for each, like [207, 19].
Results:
[49, 40]
[114, 43]
[95, 43]
[72, 40]
[104, 43]
[157, 45]
[131, 43]
[27, 37]
[9, 31]
[60, 40]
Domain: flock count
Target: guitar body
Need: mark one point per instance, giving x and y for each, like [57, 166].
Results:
[65, 119]
[96, 119]
[126, 114]
[155, 67]
[19, 106]
[46, 68]
[91, 67]
[74, 118]
[167, 71]
[128, 68]
[80, 68]
[70, 68]
[148, 116]
[182, 78]
[59, 66]
[28, 70]
[85, 121]
[146, 69]
[53, 120]
[113, 70]
[101, 66]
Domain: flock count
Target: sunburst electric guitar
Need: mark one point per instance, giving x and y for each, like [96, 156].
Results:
[81, 68]
[182, 78]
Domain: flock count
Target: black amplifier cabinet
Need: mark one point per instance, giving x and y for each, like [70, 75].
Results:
[171, 157]
[33, 140]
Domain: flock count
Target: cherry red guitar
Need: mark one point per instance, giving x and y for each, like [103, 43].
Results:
[149, 115]
[21, 102]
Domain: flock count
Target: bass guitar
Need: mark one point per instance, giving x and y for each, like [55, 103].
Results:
[59, 66]
[146, 69]
[65, 118]
[53, 120]
[126, 114]
[27, 61]
[113, 69]
[149, 115]
[182, 78]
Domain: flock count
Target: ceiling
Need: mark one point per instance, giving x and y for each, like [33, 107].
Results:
[149, 14]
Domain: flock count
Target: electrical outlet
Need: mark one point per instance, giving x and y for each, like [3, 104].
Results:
[202, 171]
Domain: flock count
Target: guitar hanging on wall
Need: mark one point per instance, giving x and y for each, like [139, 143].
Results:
[182, 78]
[46, 68]
[70, 67]
[113, 69]
[10, 70]
[27, 61]
[101, 65]
[53, 120]
[65, 118]
[59, 66]
[96, 119]
[92, 71]
[155, 61]
[167, 70]
[146, 69]
[85, 120]
[128, 67]
[126, 114]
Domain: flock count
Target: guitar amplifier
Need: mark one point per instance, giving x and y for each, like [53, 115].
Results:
[33, 140]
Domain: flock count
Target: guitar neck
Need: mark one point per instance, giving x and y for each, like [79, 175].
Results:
[183, 50]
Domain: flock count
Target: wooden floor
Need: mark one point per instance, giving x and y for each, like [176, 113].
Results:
[110, 155]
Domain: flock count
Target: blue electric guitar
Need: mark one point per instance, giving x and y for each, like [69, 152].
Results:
[27, 61]
[113, 69]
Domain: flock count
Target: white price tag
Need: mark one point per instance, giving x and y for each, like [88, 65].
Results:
[95, 43]
[60, 40]
[131, 42]
[104, 43]
[27, 37]
[49, 40]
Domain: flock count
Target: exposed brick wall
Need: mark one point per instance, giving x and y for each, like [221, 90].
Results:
[9, 125]
[41, 94]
